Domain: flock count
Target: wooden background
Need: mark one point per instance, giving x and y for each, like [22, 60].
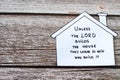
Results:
[27, 52]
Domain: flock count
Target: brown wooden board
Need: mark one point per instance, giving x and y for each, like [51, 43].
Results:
[25, 38]
[59, 74]
[27, 52]
[34, 31]
[34, 57]
[111, 7]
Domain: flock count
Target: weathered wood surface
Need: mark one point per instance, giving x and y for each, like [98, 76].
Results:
[25, 39]
[27, 52]
[60, 6]
[33, 31]
[59, 74]
[34, 57]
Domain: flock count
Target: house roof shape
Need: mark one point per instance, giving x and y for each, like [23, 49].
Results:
[84, 14]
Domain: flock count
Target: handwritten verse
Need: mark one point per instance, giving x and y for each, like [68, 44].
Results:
[84, 45]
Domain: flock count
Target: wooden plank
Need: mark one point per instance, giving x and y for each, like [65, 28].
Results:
[59, 74]
[34, 57]
[111, 7]
[33, 31]
[25, 39]
[28, 57]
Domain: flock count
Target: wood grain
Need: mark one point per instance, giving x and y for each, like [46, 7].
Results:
[27, 52]
[111, 7]
[25, 39]
[34, 31]
[34, 57]
[28, 57]
[59, 74]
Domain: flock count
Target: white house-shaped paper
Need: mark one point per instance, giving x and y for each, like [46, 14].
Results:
[85, 42]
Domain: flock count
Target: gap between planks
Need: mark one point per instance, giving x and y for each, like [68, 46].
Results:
[67, 67]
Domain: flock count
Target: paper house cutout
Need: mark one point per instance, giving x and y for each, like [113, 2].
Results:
[85, 42]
